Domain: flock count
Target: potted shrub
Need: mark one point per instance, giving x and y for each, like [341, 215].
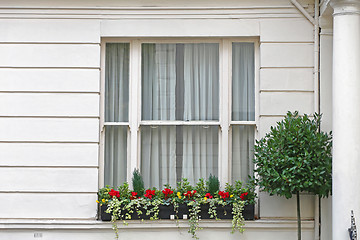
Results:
[294, 157]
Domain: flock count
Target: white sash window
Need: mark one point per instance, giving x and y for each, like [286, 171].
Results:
[178, 109]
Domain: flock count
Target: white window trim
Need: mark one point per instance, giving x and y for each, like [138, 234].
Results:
[224, 123]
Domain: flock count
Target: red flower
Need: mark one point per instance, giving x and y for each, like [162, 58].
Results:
[149, 193]
[114, 193]
[189, 194]
[167, 192]
[133, 195]
[208, 195]
[224, 195]
[243, 196]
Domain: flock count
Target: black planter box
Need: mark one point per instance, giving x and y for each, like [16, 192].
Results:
[249, 211]
[183, 210]
[204, 213]
[225, 212]
[165, 211]
[103, 215]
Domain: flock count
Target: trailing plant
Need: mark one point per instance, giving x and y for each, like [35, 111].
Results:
[294, 157]
[238, 219]
[194, 210]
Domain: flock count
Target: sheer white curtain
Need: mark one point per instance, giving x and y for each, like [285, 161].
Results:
[201, 102]
[158, 143]
[243, 109]
[179, 82]
[116, 110]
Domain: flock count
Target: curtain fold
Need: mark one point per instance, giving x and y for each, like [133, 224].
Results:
[116, 110]
[243, 82]
[158, 157]
[242, 152]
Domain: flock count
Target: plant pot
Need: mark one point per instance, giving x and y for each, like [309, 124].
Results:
[183, 210]
[224, 212]
[248, 212]
[204, 211]
[103, 215]
[165, 211]
[136, 216]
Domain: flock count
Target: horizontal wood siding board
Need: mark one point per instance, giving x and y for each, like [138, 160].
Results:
[49, 129]
[48, 205]
[50, 80]
[287, 55]
[49, 154]
[50, 55]
[287, 79]
[278, 103]
[286, 30]
[49, 104]
[49, 179]
[50, 30]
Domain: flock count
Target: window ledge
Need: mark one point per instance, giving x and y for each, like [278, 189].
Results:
[147, 224]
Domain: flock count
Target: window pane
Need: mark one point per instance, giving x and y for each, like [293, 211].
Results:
[169, 153]
[115, 155]
[117, 82]
[242, 152]
[243, 82]
[180, 81]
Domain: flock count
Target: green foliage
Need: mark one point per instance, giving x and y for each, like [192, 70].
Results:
[103, 194]
[200, 187]
[295, 157]
[213, 185]
[138, 183]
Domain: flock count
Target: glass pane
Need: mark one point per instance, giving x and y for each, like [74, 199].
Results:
[117, 82]
[115, 155]
[180, 81]
[242, 152]
[243, 82]
[169, 153]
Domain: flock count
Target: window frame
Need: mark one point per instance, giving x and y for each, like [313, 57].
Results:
[134, 121]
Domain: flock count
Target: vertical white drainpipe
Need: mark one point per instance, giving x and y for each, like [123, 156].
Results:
[315, 22]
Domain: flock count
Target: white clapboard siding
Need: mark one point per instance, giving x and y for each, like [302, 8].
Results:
[179, 27]
[48, 205]
[266, 122]
[287, 55]
[289, 30]
[49, 154]
[49, 129]
[50, 55]
[276, 207]
[278, 103]
[286, 79]
[49, 30]
[49, 104]
[48, 179]
[52, 80]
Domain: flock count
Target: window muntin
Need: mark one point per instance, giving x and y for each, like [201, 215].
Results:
[225, 171]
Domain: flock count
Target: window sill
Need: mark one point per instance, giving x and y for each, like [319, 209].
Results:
[147, 224]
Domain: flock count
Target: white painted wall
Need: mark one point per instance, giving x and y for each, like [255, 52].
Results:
[49, 93]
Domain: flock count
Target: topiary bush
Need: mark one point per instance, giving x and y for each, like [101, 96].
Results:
[295, 156]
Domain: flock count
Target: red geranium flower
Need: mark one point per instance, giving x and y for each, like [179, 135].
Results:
[114, 193]
[149, 193]
[243, 196]
[133, 195]
[189, 194]
[208, 195]
[224, 195]
[167, 192]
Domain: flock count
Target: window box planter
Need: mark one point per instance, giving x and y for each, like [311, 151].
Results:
[103, 215]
